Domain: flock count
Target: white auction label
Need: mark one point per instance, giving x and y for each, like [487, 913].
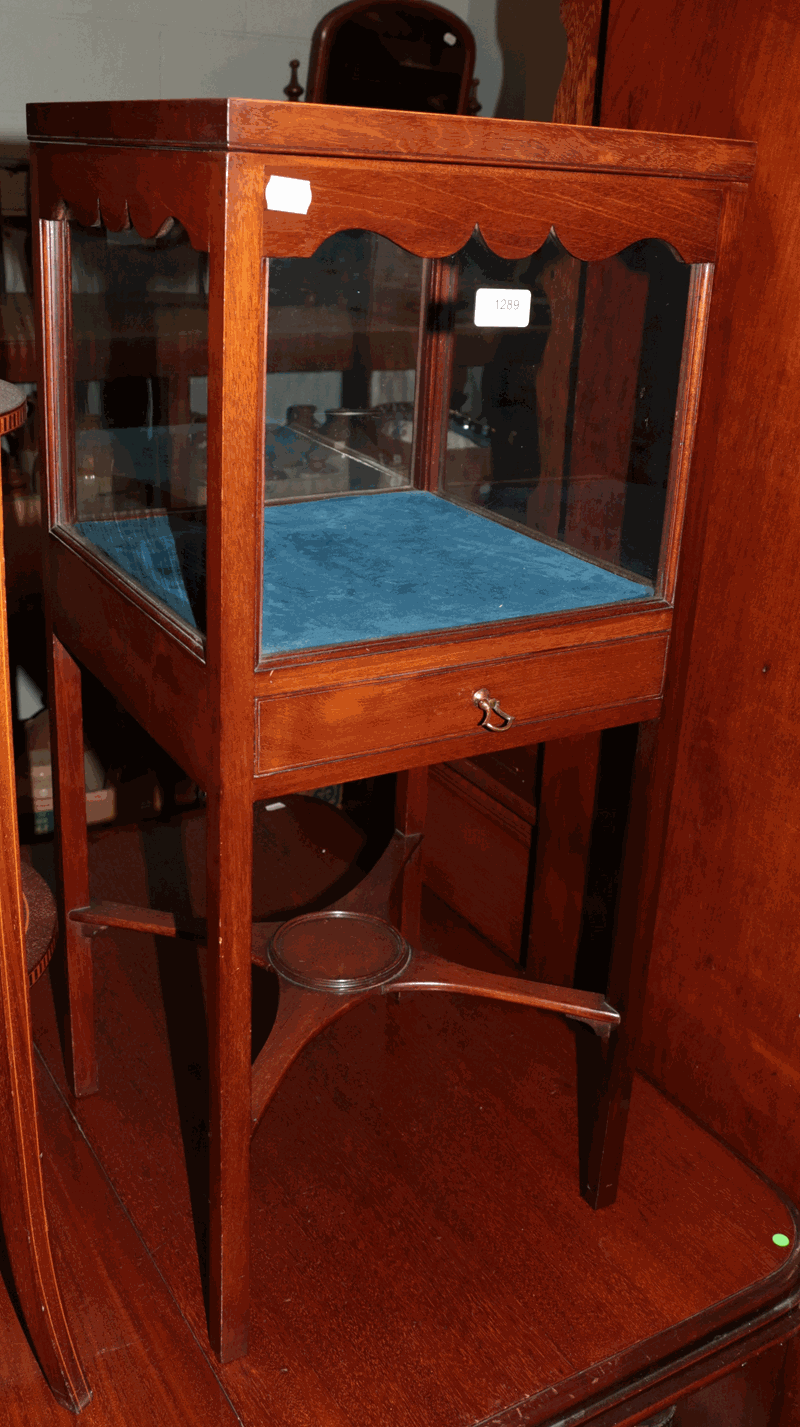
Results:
[502, 307]
[288, 195]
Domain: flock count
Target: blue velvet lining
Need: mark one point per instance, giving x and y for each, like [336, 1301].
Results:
[371, 567]
[150, 550]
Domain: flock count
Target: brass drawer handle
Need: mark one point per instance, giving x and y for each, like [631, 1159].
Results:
[491, 706]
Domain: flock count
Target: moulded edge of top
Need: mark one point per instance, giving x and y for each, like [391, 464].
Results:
[330, 130]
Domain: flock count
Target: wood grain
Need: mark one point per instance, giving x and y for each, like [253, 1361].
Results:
[140, 653]
[427, 972]
[141, 1358]
[77, 179]
[434, 708]
[476, 855]
[478, 1308]
[69, 802]
[234, 541]
[566, 814]
[415, 756]
[410, 816]
[450, 648]
[433, 209]
[23, 1210]
[319, 129]
[429, 208]
[244, 729]
[721, 1028]
[578, 92]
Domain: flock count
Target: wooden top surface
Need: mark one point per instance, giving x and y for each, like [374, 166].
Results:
[322, 129]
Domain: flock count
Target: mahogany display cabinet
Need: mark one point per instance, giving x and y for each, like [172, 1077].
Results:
[368, 443]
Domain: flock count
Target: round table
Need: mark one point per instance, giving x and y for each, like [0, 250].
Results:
[13, 407]
[40, 924]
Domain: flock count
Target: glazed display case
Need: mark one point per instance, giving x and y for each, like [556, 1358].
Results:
[368, 446]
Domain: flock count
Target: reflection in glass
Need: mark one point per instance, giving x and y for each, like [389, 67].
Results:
[566, 422]
[341, 356]
[562, 381]
[140, 336]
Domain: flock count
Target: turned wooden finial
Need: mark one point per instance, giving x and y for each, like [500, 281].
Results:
[474, 105]
[293, 90]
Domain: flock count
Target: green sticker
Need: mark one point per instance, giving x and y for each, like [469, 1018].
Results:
[782, 1240]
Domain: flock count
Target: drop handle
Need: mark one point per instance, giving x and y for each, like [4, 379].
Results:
[491, 706]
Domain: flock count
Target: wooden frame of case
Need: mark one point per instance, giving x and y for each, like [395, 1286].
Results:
[247, 729]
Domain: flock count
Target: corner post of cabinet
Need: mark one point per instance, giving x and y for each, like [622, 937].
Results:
[235, 455]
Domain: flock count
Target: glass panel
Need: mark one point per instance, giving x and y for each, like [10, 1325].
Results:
[341, 358]
[565, 378]
[140, 332]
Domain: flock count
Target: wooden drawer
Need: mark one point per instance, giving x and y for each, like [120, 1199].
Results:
[298, 730]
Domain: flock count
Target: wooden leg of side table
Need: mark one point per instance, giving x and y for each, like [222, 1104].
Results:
[564, 818]
[229, 899]
[411, 804]
[612, 1066]
[69, 788]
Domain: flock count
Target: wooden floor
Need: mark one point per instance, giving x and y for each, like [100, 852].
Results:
[421, 1253]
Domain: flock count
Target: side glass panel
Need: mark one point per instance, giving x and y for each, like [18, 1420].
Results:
[140, 342]
[342, 336]
[564, 386]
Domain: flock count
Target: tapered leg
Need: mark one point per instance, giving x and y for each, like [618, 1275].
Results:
[66, 738]
[411, 805]
[229, 883]
[564, 817]
[234, 546]
[612, 1067]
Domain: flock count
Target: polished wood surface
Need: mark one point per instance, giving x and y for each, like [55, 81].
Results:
[478, 843]
[567, 798]
[249, 727]
[141, 1357]
[420, 716]
[721, 1026]
[722, 1022]
[328, 962]
[576, 100]
[69, 801]
[442, 1232]
[597, 205]
[319, 129]
[23, 1212]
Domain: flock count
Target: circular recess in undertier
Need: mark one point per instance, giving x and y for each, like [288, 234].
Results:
[338, 952]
